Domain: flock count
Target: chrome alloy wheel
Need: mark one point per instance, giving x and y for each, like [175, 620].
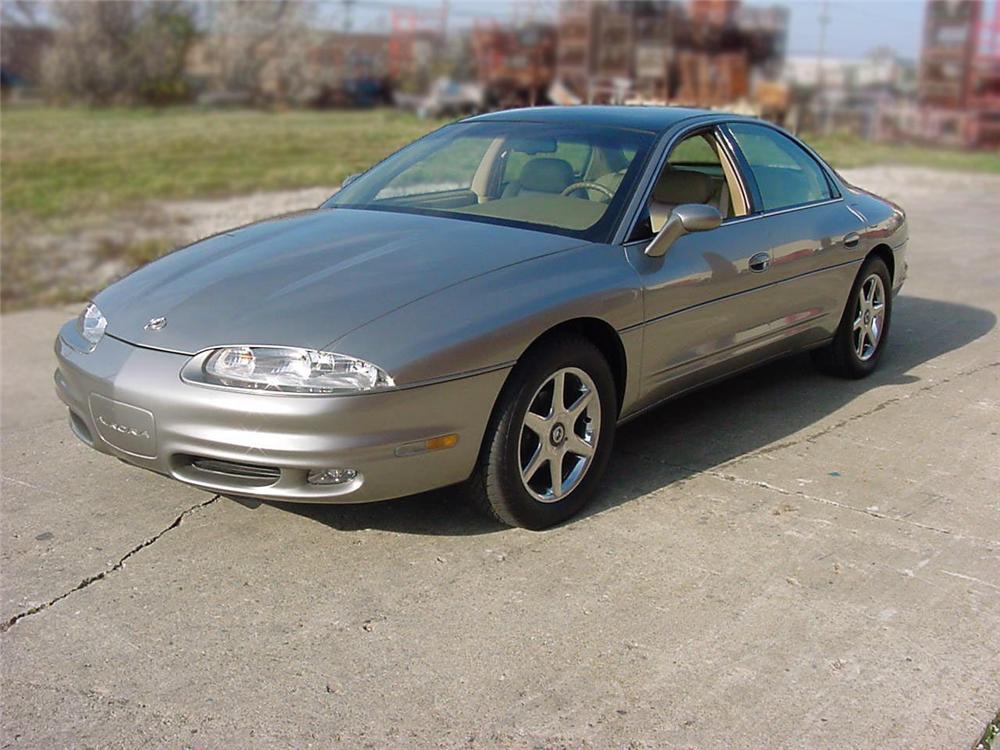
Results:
[558, 441]
[869, 317]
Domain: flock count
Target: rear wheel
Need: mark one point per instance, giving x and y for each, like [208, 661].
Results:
[864, 327]
[550, 436]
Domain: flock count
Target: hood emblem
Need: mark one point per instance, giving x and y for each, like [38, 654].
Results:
[155, 324]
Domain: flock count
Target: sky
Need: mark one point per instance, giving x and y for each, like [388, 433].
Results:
[854, 27]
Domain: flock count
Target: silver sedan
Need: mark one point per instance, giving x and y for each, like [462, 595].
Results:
[484, 307]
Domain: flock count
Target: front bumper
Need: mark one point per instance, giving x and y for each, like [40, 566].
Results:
[130, 402]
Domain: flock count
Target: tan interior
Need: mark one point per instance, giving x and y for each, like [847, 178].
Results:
[678, 185]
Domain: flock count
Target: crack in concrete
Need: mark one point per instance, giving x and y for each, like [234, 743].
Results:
[693, 473]
[29, 485]
[843, 506]
[719, 474]
[4, 627]
[99, 696]
[860, 415]
[971, 579]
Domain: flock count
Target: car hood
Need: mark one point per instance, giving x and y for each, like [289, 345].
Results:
[307, 279]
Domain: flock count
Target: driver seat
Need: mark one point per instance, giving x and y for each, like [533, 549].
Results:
[542, 176]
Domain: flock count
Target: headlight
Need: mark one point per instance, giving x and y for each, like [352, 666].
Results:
[90, 325]
[292, 370]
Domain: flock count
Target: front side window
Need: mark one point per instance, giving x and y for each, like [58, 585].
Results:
[697, 171]
[785, 173]
[567, 179]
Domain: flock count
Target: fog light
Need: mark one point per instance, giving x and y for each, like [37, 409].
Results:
[332, 476]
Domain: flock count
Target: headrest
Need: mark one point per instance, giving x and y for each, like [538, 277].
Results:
[678, 186]
[546, 175]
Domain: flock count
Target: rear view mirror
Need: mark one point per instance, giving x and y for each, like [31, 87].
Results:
[349, 179]
[687, 217]
[533, 145]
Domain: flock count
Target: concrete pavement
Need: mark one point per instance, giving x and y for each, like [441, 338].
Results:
[784, 560]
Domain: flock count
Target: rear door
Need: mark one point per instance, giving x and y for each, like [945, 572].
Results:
[813, 235]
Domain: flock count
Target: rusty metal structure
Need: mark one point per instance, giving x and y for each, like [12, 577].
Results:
[415, 36]
[959, 78]
[699, 52]
[514, 65]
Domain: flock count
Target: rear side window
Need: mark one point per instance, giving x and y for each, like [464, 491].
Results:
[785, 173]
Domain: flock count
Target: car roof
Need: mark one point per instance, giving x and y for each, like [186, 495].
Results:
[638, 117]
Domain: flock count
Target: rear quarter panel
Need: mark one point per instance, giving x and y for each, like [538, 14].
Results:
[885, 224]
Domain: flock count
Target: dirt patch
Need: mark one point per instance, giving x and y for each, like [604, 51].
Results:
[192, 220]
[901, 183]
[67, 264]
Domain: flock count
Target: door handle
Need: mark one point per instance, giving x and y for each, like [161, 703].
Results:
[851, 239]
[760, 262]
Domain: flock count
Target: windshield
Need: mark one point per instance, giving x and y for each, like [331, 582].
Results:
[566, 179]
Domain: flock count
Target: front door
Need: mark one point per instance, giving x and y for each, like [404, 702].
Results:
[708, 303]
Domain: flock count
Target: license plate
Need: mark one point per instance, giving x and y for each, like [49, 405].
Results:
[128, 428]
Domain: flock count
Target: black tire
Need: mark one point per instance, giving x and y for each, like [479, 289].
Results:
[841, 357]
[496, 485]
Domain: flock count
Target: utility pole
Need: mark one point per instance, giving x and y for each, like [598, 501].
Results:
[824, 21]
[445, 10]
[346, 21]
[441, 57]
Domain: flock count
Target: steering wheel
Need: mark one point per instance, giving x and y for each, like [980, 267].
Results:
[588, 185]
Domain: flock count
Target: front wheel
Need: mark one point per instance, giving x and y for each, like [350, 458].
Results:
[550, 436]
[864, 327]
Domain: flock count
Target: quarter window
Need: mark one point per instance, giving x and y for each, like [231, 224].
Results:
[786, 174]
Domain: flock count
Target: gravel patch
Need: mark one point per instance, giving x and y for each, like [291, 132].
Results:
[902, 183]
[190, 221]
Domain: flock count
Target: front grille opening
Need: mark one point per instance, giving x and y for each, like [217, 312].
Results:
[246, 473]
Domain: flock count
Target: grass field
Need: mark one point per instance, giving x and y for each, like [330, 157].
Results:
[845, 152]
[57, 162]
[61, 162]
[66, 169]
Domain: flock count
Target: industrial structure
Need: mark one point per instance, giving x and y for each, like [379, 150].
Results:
[959, 83]
[514, 65]
[716, 53]
[704, 52]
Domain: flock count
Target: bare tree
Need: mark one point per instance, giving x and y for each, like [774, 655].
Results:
[115, 51]
[160, 45]
[261, 48]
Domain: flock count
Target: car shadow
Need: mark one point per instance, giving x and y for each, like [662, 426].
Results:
[703, 430]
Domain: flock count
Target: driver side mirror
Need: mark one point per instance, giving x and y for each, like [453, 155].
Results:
[687, 217]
